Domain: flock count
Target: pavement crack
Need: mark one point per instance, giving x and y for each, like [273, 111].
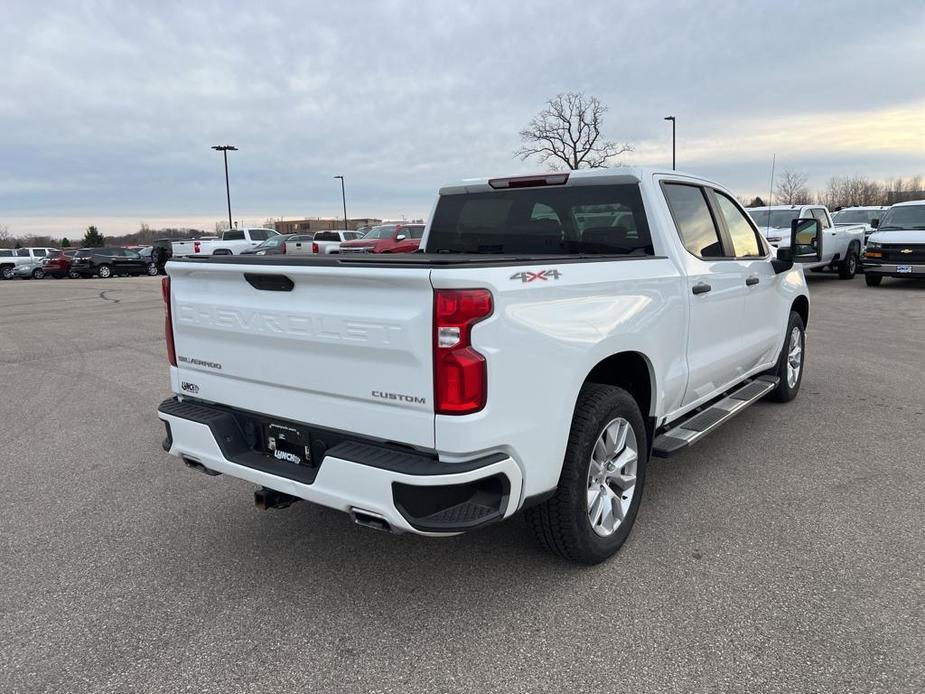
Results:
[106, 298]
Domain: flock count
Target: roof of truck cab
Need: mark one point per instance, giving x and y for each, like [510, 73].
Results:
[782, 207]
[617, 174]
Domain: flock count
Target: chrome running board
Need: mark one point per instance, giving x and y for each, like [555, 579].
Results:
[702, 423]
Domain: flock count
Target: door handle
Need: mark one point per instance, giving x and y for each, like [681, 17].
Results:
[751, 281]
[701, 288]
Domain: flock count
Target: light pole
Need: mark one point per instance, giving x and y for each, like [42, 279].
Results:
[343, 197]
[224, 149]
[672, 119]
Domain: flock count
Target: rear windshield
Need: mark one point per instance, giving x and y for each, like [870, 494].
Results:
[327, 236]
[855, 216]
[607, 219]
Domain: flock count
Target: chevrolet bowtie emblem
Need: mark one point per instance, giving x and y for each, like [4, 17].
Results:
[906, 251]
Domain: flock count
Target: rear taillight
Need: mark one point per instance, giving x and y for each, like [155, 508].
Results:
[460, 373]
[315, 248]
[168, 322]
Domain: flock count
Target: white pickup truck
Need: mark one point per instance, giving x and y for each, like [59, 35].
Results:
[321, 243]
[557, 330]
[842, 244]
[231, 242]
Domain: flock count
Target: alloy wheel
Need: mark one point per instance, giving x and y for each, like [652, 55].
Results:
[612, 476]
[794, 357]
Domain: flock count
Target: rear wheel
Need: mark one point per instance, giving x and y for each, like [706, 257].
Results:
[104, 271]
[73, 275]
[152, 269]
[872, 280]
[6, 272]
[849, 266]
[38, 273]
[789, 367]
[595, 504]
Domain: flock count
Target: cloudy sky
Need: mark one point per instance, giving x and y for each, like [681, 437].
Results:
[108, 108]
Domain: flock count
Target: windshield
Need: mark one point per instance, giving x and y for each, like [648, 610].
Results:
[543, 220]
[384, 232]
[854, 216]
[779, 219]
[905, 217]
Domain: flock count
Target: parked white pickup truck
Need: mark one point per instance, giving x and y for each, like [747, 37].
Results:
[11, 258]
[842, 245]
[868, 217]
[321, 243]
[231, 242]
[556, 331]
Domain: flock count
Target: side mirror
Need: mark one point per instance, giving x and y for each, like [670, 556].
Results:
[874, 223]
[806, 240]
[400, 237]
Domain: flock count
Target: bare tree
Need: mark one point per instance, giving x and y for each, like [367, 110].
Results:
[568, 131]
[4, 235]
[791, 188]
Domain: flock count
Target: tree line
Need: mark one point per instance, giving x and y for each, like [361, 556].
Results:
[843, 191]
[92, 238]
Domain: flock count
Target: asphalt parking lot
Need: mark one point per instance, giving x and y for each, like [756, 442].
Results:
[783, 554]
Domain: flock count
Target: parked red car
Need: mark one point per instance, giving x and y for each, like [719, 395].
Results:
[387, 238]
[58, 264]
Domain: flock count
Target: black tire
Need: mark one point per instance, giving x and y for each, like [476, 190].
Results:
[152, 270]
[561, 523]
[6, 272]
[104, 271]
[848, 268]
[872, 280]
[784, 392]
[73, 275]
[38, 274]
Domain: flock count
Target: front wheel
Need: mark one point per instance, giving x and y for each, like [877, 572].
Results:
[600, 487]
[104, 271]
[789, 367]
[6, 273]
[152, 270]
[38, 273]
[849, 266]
[872, 280]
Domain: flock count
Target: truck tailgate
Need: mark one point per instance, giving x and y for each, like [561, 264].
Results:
[344, 348]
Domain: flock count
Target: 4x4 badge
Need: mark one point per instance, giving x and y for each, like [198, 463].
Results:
[539, 275]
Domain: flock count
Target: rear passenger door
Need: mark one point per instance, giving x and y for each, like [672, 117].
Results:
[715, 290]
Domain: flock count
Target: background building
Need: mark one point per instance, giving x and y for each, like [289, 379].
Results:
[311, 224]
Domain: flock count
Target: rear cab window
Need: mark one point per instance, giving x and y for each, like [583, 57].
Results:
[559, 220]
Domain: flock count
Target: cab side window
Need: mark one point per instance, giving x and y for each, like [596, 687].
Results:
[745, 241]
[694, 220]
[819, 213]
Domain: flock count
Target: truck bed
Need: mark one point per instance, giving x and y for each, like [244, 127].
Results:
[411, 260]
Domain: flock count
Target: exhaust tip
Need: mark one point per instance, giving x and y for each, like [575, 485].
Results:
[199, 467]
[368, 519]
